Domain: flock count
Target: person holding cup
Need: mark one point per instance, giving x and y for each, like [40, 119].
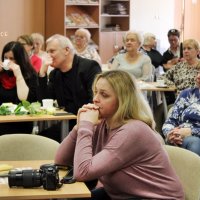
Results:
[70, 82]
[18, 81]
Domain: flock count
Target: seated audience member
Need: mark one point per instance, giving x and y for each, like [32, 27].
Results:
[110, 142]
[70, 82]
[174, 54]
[17, 82]
[183, 74]
[27, 42]
[182, 128]
[149, 47]
[82, 47]
[38, 42]
[133, 60]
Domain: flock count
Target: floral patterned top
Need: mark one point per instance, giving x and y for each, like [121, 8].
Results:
[182, 76]
[185, 113]
[90, 53]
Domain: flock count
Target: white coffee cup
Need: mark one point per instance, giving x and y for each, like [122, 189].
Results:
[47, 103]
[5, 64]
[160, 82]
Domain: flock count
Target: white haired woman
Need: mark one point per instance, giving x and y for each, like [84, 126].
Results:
[149, 48]
[82, 47]
[38, 42]
[133, 60]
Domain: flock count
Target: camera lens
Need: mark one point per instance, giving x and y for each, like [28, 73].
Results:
[25, 178]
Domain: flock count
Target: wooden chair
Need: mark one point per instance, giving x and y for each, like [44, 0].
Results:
[27, 147]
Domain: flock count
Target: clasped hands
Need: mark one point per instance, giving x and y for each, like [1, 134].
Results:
[88, 112]
[176, 135]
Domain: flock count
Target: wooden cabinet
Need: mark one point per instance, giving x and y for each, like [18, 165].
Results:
[109, 42]
[66, 16]
[114, 22]
[103, 18]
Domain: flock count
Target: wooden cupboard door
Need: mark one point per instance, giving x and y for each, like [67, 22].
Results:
[109, 41]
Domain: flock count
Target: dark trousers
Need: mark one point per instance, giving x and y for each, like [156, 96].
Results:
[100, 194]
[16, 127]
[54, 132]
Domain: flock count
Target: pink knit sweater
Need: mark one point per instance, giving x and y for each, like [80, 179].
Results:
[129, 160]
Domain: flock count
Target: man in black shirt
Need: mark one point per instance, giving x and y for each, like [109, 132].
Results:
[70, 83]
[175, 52]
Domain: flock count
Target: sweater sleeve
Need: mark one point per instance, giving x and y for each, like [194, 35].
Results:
[65, 152]
[33, 89]
[147, 69]
[174, 119]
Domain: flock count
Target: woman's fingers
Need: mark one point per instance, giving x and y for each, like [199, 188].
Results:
[91, 106]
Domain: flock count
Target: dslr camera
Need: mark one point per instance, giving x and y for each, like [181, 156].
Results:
[47, 176]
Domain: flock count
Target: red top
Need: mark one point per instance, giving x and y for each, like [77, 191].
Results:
[36, 62]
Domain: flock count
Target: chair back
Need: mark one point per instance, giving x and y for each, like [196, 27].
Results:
[187, 167]
[27, 147]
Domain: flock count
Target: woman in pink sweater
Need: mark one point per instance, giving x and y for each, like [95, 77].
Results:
[115, 142]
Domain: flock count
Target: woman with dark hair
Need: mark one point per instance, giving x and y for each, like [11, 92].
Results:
[18, 81]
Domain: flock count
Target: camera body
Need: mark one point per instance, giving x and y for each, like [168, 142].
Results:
[50, 177]
[47, 176]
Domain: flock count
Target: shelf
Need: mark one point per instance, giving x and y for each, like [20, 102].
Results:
[71, 15]
[82, 4]
[86, 3]
[108, 15]
[121, 0]
[76, 27]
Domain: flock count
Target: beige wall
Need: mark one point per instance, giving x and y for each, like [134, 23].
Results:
[192, 16]
[20, 17]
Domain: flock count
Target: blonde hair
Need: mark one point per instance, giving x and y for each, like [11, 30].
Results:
[191, 42]
[148, 37]
[26, 38]
[132, 104]
[38, 36]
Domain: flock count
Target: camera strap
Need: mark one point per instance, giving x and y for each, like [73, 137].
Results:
[68, 178]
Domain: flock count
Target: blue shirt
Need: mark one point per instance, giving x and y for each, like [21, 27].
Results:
[186, 112]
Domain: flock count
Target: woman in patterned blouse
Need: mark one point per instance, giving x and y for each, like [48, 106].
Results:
[182, 128]
[83, 47]
[183, 74]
